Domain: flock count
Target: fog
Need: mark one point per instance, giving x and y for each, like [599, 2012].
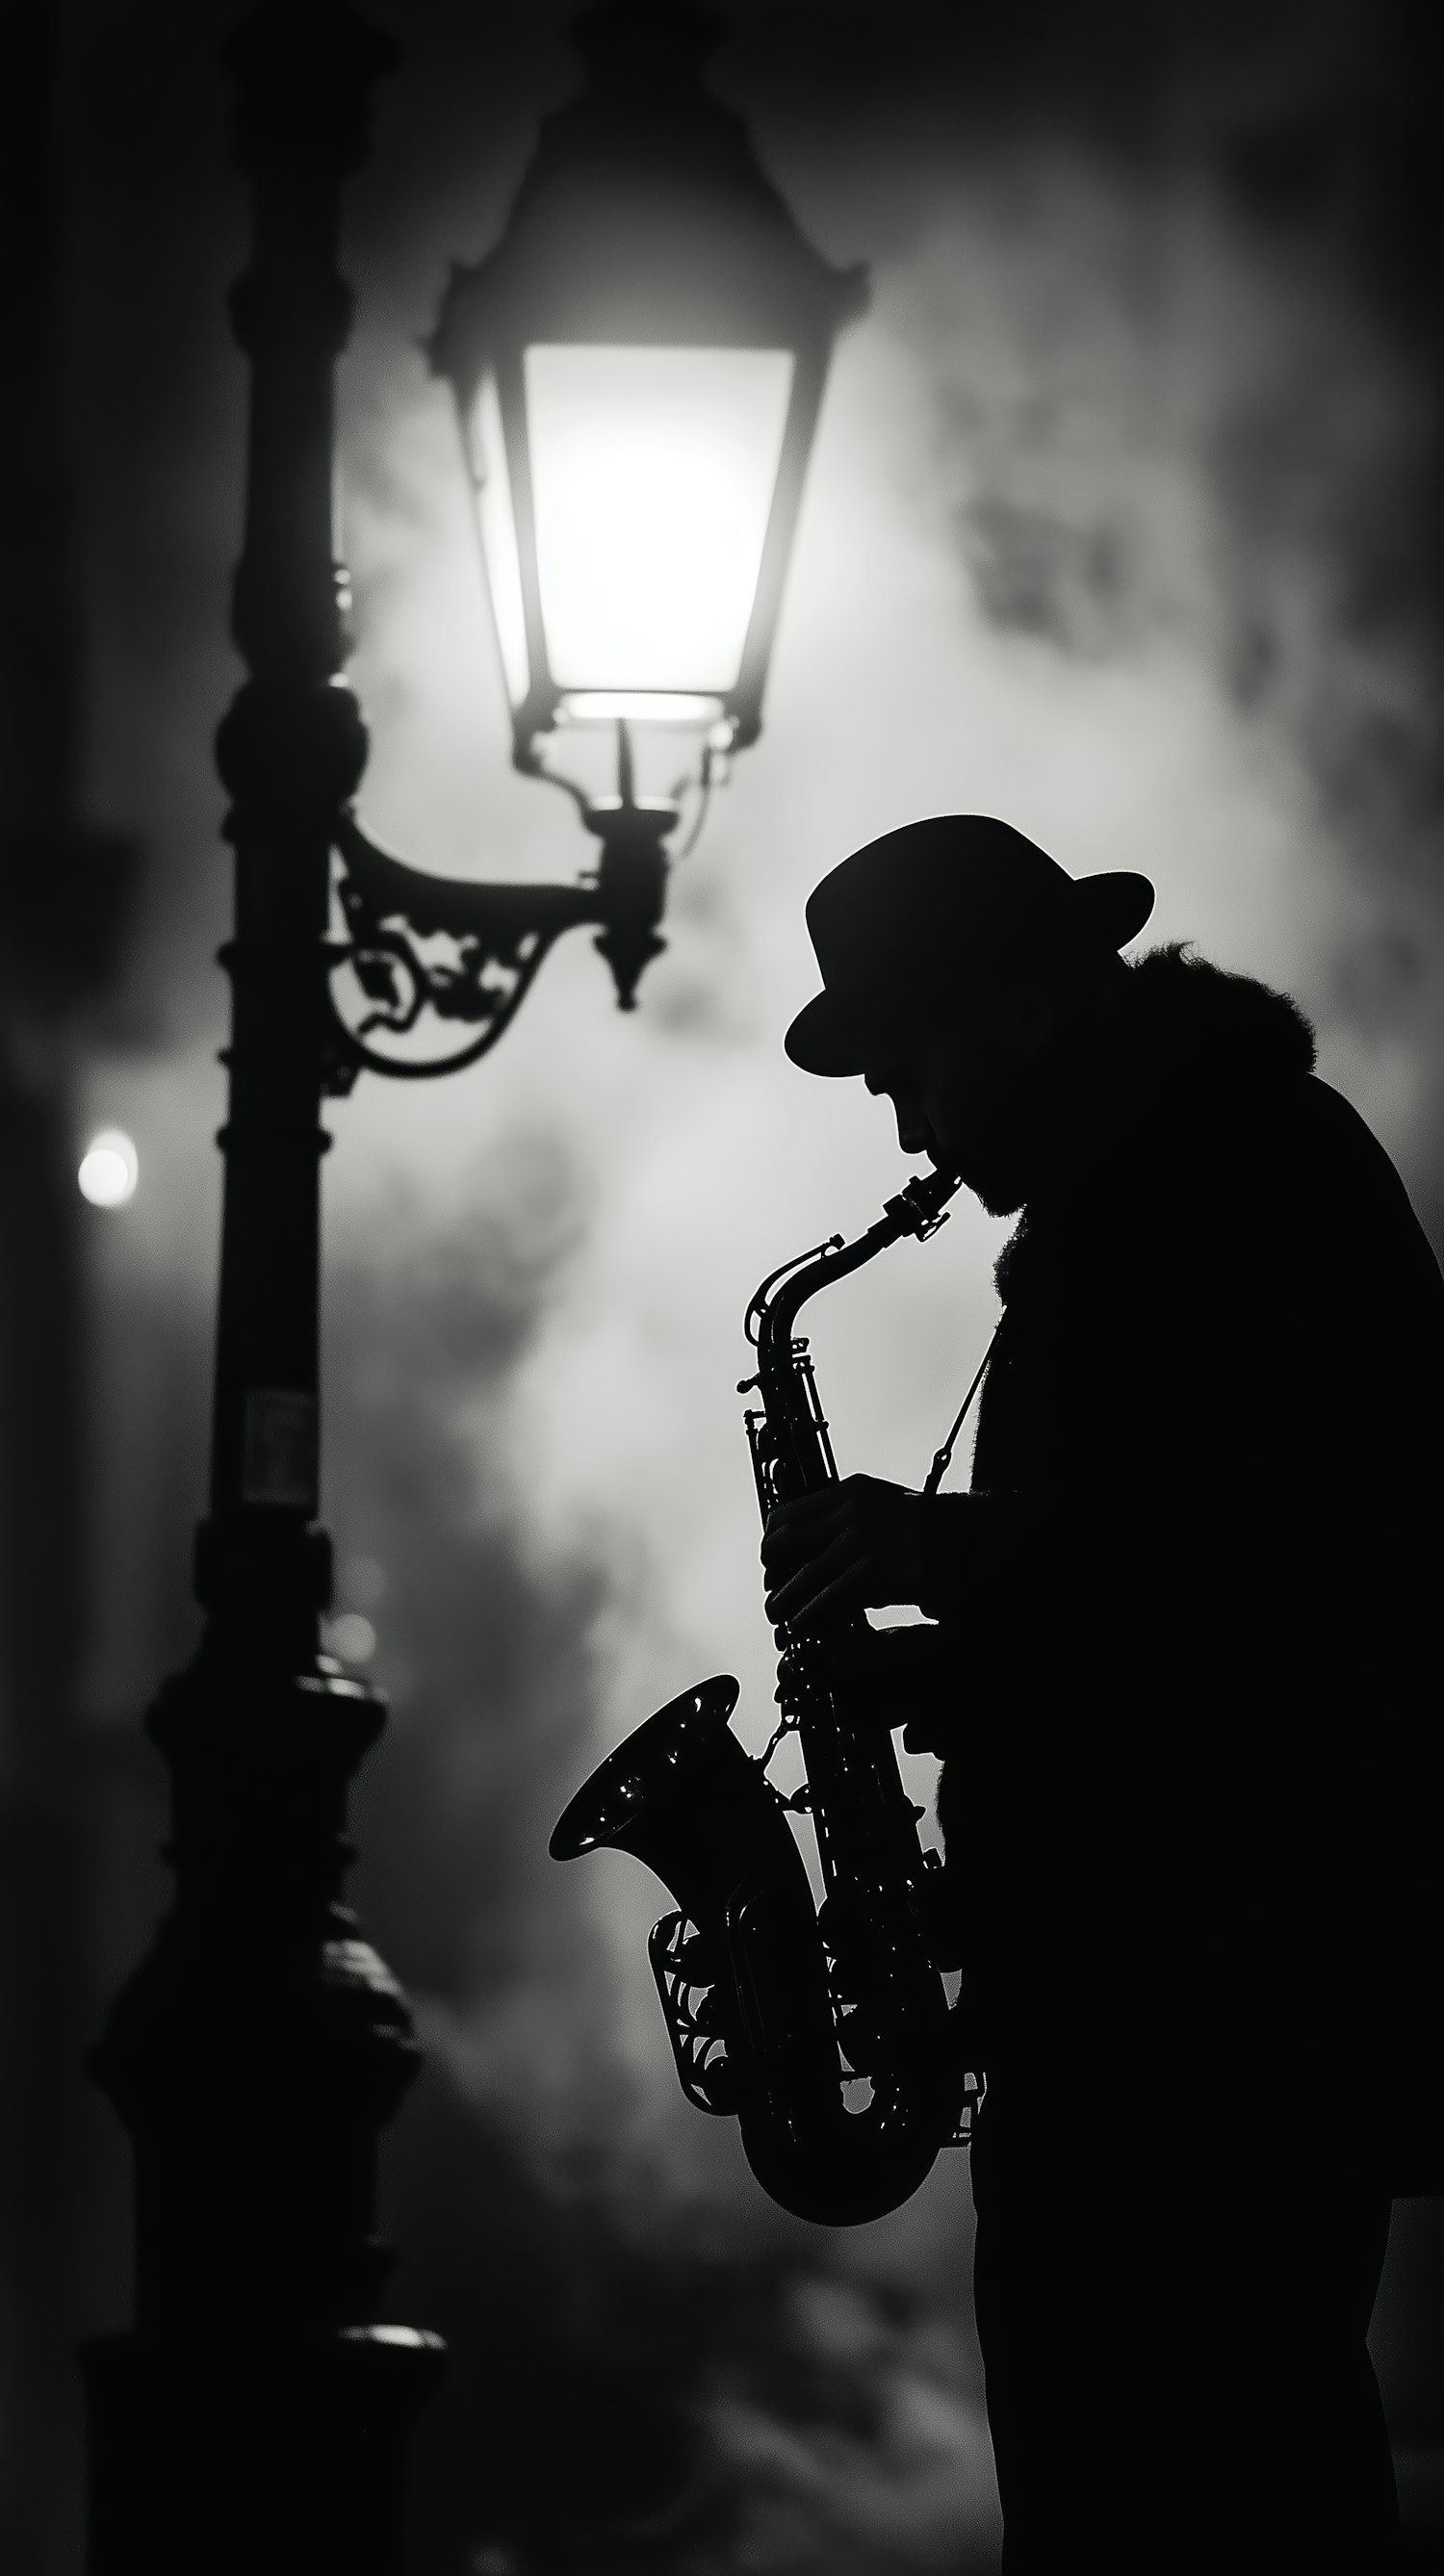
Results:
[1113, 528]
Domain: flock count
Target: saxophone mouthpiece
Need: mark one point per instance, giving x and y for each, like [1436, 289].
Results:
[921, 1207]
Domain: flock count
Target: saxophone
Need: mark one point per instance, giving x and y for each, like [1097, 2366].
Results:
[781, 2014]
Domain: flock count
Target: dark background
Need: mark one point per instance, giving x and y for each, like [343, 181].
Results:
[1123, 523]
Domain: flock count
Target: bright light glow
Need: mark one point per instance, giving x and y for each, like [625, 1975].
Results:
[653, 472]
[352, 1637]
[109, 1169]
[498, 541]
[639, 706]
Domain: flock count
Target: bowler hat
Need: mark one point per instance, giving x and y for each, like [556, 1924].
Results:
[945, 905]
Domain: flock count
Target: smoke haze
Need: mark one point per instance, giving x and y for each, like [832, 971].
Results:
[1115, 528]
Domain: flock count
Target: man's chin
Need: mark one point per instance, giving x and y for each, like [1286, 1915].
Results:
[998, 1194]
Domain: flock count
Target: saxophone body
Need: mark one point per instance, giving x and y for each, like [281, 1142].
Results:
[782, 2014]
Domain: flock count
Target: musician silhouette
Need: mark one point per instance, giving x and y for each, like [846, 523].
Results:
[1182, 1681]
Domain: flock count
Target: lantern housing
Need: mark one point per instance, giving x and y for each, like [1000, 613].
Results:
[638, 368]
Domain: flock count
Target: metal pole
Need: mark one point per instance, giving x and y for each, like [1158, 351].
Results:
[257, 2414]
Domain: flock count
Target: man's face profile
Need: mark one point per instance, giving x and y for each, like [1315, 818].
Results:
[966, 1077]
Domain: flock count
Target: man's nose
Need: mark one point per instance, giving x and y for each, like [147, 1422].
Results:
[912, 1119]
[886, 1074]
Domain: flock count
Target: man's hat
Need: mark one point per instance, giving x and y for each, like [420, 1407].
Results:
[944, 906]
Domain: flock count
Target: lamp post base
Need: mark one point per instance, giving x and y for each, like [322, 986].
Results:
[223, 2452]
[257, 2417]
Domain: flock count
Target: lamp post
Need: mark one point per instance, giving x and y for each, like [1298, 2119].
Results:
[257, 2413]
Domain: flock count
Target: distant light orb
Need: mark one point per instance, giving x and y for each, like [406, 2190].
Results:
[352, 1638]
[109, 1169]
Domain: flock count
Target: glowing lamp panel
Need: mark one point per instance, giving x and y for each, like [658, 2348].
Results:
[653, 472]
[498, 541]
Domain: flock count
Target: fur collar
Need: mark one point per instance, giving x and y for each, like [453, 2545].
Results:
[1184, 1010]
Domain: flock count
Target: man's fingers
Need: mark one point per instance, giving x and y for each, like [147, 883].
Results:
[796, 1603]
[785, 1599]
[801, 1507]
[798, 1538]
[810, 1512]
[844, 1586]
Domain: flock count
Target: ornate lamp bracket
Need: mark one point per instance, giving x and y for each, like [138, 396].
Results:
[467, 953]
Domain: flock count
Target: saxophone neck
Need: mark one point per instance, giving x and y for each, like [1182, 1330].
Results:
[919, 1209]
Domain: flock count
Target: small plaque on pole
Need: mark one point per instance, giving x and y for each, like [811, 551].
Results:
[280, 1452]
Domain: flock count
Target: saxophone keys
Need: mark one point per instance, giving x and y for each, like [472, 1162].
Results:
[711, 2016]
[858, 2038]
[695, 1960]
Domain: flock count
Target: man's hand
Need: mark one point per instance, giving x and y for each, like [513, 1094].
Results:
[855, 1545]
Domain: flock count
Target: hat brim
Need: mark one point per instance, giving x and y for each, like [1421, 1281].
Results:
[826, 1037]
[834, 1033]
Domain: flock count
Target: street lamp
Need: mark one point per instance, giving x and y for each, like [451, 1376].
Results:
[638, 368]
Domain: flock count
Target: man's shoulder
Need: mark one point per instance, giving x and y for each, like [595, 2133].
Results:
[1322, 1163]
[1335, 1138]
[1284, 1228]
[1232, 1100]
[1223, 1161]
[1272, 1187]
